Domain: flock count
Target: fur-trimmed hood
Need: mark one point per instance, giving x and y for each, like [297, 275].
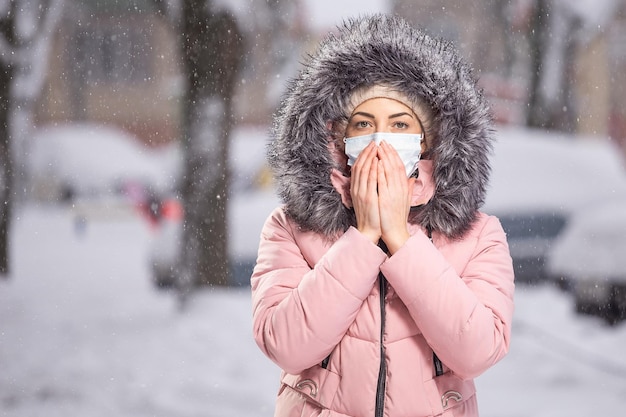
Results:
[371, 50]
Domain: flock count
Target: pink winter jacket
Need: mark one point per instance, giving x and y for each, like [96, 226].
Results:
[314, 299]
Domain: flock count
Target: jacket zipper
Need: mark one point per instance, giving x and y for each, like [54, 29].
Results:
[436, 361]
[382, 372]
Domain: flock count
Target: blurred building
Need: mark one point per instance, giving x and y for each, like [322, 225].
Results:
[117, 62]
[114, 62]
[495, 37]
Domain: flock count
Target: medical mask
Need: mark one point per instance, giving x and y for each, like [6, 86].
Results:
[408, 146]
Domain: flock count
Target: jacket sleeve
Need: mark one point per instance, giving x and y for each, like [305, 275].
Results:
[301, 311]
[465, 319]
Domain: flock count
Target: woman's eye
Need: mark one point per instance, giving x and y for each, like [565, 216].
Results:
[362, 124]
[401, 125]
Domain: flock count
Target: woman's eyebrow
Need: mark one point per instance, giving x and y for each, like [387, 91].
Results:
[371, 116]
[401, 114]
[364, 114]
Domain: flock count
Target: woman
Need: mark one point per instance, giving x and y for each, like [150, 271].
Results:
[378, 294]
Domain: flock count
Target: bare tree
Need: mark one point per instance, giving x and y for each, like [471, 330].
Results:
[7, 38]
[211, 48]
[553, 45]
[560, 31]
[26, 29]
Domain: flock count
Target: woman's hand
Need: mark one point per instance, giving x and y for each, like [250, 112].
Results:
[394, 197]
[363, 189]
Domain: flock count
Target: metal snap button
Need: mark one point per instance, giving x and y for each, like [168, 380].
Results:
[310, 384]
[450, 395]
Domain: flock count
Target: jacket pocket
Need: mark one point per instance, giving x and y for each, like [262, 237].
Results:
[316, 384]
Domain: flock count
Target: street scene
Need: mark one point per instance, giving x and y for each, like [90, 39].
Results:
[87, 331]
[135, 183]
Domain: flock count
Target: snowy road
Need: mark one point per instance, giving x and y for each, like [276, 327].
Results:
[83, 332]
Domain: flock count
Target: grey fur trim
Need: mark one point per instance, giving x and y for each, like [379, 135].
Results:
[371, 50]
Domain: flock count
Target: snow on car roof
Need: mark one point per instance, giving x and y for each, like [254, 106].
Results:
[90, 156]
[593, 244]
[535, 170]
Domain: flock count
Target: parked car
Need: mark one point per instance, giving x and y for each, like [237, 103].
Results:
[250, 201]
[539, 179]
[590, 256]
[247, 212]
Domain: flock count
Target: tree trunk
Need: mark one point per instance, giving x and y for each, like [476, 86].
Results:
[212, 49]
[18, 59]
[553, 51]
[6, 171]
[538, 40]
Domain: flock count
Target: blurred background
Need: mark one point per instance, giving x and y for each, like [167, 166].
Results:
[134, 188]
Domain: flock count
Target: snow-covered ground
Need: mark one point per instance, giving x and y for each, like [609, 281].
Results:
[84, 333]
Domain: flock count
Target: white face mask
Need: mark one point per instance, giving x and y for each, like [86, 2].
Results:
[408, 146]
